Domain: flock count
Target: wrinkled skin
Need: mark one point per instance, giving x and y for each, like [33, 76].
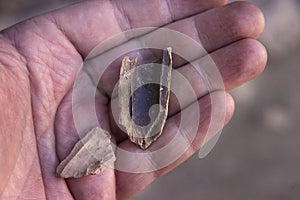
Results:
[39, 59]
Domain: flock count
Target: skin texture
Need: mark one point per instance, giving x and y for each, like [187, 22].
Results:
[39, 59]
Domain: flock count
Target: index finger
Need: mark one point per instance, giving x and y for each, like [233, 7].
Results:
[89, 23]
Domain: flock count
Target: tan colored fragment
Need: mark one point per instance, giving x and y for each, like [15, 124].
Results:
[91, 155]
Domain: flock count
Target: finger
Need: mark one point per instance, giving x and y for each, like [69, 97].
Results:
[239, 21]
[226, 68]
[172, 129]
[224, 25]
[73, 120]
[217, 27]
[236, 63]
[89, 23]
[101, 186]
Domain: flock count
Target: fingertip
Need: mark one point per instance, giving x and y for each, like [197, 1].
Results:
[262, 56]
[256, 57]
[251, 18]
[228, 24]
[230, 107]
[241, 62]
[260, 19]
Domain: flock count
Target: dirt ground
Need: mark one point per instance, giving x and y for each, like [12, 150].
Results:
[258, 153]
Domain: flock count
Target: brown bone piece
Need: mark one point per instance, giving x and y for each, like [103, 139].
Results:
[91, 155]
[144, 93]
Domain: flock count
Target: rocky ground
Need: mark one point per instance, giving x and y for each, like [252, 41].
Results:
[257, 155]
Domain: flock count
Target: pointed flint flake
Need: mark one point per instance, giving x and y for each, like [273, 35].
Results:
[91, 155]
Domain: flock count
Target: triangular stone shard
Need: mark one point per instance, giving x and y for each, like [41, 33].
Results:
[91, 155]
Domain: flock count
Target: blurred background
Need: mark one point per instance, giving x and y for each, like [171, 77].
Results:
[258, 153]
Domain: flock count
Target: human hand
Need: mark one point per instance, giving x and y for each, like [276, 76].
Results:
[39, 61]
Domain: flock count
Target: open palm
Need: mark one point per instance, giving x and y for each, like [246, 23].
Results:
[39, 61]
